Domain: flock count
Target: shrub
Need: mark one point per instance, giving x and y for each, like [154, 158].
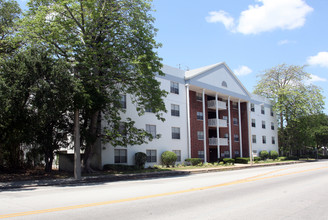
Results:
[194, 161]
[273, 154]
[140, 159]
[243, 160]
[228, 161]
[282, 158]
[257, 159]
[169, 158]
[291, 157]
[119, 167]
[264, 154]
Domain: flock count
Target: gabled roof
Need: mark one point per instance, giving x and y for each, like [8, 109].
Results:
[191, 74]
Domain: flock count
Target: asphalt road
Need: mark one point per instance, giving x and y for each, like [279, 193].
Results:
[298, 191]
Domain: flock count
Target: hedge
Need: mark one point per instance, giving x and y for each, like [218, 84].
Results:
[228, 161]
[243, 160]
[169, 158]
[194, 161]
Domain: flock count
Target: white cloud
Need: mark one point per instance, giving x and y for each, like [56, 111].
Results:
[242, 71]
[221, 16]
[320, 59]
[269, 16]
[315, 78]
[283, 42]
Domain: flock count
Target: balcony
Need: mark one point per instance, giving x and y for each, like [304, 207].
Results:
[222, 123]
[221, 105]
[214, 141]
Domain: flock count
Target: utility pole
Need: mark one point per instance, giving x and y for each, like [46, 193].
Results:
[77, 147]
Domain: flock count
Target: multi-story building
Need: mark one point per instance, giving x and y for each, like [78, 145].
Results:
[210, 115]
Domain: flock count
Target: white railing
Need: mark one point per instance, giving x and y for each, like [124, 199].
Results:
[221, 105]
[213, 141]
[222, 123]
[223, 141]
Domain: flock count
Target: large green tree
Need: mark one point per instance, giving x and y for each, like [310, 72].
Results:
[111, 46]
[292, 97]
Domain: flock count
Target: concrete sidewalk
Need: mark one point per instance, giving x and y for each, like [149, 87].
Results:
[136, 176]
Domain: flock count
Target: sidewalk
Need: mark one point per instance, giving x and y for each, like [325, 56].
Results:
[137, 176]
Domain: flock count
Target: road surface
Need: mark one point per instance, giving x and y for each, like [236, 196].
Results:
[298, 191]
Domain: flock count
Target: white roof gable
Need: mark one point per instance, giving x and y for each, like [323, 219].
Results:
[211, 77]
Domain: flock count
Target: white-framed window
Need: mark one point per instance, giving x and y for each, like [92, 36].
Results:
[226, 135]
[224, 117]
[200, 115]
[178, 153]
[237, 153]
[262, 110]
[236, 137]
[199, 96]
[263, 139]
[120, 155]
[254, 139]
[271, 111]
[174, 88]
[263, 124]
[175, 110]
[252, 107]
[151, 156]
[273, 140]
[175, 133]
[151, 129]
[224, 84]
[200, 135]
[201, 154]
[122, 129]
[123, 101]
[235, 105]
[253, 123]
[235, 121]
[149, 109]
[272, 126]
[226, 153]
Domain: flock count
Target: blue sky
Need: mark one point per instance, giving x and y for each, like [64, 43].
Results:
[249, 35]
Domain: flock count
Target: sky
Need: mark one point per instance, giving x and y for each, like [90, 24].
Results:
[250, 36]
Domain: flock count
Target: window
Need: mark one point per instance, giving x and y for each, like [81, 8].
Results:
[235, 121]
[174, 87]
[120, 155]
[201, 154]
[175, 133]
[252, 107]
[149, 109]
[254, 139]
[236, 137]
[199, 115]
[175, 110]
[234, 105]
[224, 84]
[226, 154]
[200, 135]
[263, 139]
[225, 118]
[271, 112]
[199, 97]
[151, 156]
[151, 129]
[236, 153]
[263, 124]
[273, 140]
[122, 129]
[123, 101]
[178, 153]
[253, 123]
[226, 135]
[272, 126]
[262, 110]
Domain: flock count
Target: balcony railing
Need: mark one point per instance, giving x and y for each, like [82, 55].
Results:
[214, 141]
[222, 123]
[221, 105]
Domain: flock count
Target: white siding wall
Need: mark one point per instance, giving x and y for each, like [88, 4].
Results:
[165, 143]
[259, 131]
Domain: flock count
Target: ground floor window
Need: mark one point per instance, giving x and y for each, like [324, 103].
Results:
[226, 153]
[178, 153]
[201, 154]
[121, 156]
[151, 156]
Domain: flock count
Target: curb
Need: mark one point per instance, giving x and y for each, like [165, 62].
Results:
[124, 177]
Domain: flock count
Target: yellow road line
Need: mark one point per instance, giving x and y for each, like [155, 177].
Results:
[251, 179]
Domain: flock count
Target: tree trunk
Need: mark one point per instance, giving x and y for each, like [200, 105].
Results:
[89, 151]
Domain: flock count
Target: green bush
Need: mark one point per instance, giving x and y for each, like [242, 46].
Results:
[140, 159]
[282, 158]
[257, 159]
[169, 158]
[291, 157]
[243, 160]
[273, 154]
[194, 161]
[264, 154]
[228, 161]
